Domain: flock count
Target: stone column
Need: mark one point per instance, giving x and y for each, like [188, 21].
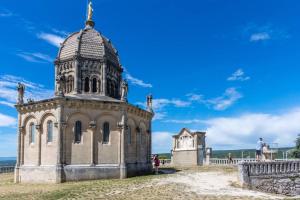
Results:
[55, 84]
[19, 149]
[92, 127]
[22, 147]
[207, 156]
[91, 85]
[77, 80]
[63, 127]
[244, 179]
[19, 141]
[39, 143]
[59, 143]
[104, 78]
[149, 143]
[138, 142]
[123, 125]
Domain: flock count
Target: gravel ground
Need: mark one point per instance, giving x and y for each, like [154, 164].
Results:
[187, 184]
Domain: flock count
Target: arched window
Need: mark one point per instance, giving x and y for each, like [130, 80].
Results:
[94, 85]
[106, 132]
[87, 84]
[78, 131]
[129, 135]
[32, 133]
[49, 131]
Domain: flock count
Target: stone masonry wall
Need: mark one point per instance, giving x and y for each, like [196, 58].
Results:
[274, 177]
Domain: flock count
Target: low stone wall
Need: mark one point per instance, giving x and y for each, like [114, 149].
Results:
[280, 177]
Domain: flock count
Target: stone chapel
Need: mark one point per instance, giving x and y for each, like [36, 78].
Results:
[88, 130]
[188, 148]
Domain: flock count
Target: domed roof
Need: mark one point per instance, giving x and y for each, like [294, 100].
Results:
[88, 43]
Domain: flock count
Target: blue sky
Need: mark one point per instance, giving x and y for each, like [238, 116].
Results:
[230, 68]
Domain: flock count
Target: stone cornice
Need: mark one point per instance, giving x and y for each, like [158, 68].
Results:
[79, 103]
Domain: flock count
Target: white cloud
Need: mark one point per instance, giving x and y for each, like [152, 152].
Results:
[8, 91]
[238, 75]
[157, 116]
[6, 121]
[188, 121]
[159, 104]
[7, 104]
[243, 131]
[138, 82]
[35, 57]
[255, 37]
[162, 142]
[260, 33]
[223, 102]
[195, 97]
[60, 32]
[53, 39]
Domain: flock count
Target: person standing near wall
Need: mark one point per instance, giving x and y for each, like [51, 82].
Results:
[156, 163]
[259, 146]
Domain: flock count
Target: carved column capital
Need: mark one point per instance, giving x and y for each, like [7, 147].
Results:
[92, 125]
[38, 127]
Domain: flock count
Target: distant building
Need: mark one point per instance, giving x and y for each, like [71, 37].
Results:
[188, 148]
[88, 130]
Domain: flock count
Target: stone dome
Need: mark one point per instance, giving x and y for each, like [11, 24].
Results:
[88, 43]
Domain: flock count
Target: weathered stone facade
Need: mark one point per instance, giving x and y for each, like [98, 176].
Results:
[280, 177]
[88, 130]
[188, 148]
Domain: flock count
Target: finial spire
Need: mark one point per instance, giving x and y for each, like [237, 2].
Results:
[90, 10]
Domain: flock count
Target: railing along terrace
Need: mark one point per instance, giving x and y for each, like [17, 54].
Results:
[272, 167]
[6, 169]
[165, 161]
[234, 161]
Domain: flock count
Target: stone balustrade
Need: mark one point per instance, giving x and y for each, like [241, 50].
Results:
[281, 177]
[275, 167]
[6, 169]
[235, 161]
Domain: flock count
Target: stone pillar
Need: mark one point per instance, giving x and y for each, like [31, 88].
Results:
[39, 143]
[59, 143]
[207, 156]
[244, 178]
[77, 80]
[22, 147]
[149, 143]
[123, 127]
[92, 127]
[19, 149]
[55, 84]
[138, 142]
[104, 78]
[63, 127]
[91, 85]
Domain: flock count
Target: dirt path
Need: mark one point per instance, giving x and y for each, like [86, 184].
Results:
[214, 184]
